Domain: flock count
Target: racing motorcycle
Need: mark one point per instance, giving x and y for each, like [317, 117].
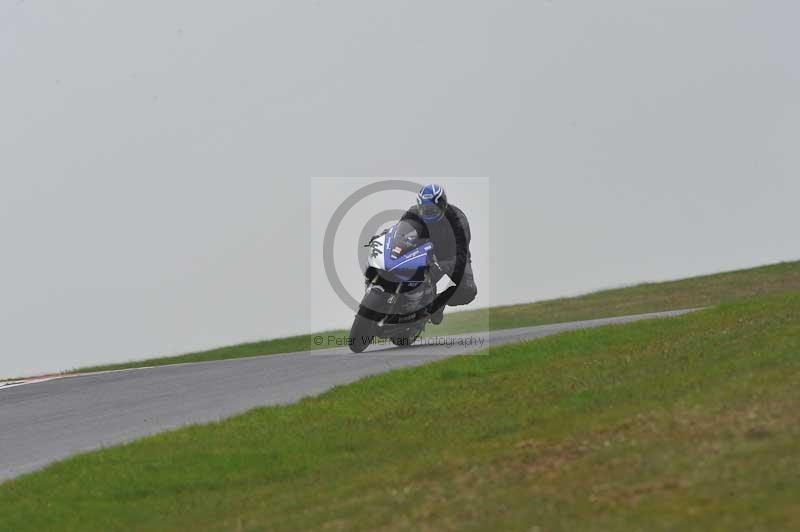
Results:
[399, 288]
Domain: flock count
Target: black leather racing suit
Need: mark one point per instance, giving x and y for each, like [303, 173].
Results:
[450, 237]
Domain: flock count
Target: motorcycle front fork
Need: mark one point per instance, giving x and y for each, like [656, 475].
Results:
[393, 299]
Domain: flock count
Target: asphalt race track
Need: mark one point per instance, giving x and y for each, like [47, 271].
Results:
[46, 421]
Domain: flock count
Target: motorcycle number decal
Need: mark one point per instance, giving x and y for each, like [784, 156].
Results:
[375, 257]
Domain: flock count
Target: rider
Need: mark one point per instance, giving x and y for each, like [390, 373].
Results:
[447, 227]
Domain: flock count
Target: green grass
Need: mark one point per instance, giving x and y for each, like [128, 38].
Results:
[687, 423]
[251, 349]
[694, 292]
[649, 297]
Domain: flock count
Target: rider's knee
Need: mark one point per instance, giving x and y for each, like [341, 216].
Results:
[464, 294]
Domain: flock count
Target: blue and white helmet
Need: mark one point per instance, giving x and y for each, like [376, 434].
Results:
[431, 203]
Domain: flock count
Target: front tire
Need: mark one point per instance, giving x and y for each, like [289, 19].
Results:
[361, 334]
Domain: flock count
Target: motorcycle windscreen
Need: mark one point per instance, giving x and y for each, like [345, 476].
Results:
[406, 254]
[404, 239]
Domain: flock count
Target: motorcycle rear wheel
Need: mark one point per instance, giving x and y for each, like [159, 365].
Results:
[405, 340]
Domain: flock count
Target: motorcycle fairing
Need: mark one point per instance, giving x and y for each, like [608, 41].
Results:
[401, 260]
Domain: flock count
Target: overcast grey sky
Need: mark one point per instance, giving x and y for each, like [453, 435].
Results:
[155, 157]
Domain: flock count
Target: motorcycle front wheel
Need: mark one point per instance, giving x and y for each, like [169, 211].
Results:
[361, 334]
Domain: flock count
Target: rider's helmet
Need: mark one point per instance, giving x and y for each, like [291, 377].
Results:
[431, 203]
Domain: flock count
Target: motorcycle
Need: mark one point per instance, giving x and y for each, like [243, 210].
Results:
[399, 288]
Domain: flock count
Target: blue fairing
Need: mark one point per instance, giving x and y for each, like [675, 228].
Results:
[406, 265]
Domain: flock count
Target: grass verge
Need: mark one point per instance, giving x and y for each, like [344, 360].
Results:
[649, 297]
[686, 423]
